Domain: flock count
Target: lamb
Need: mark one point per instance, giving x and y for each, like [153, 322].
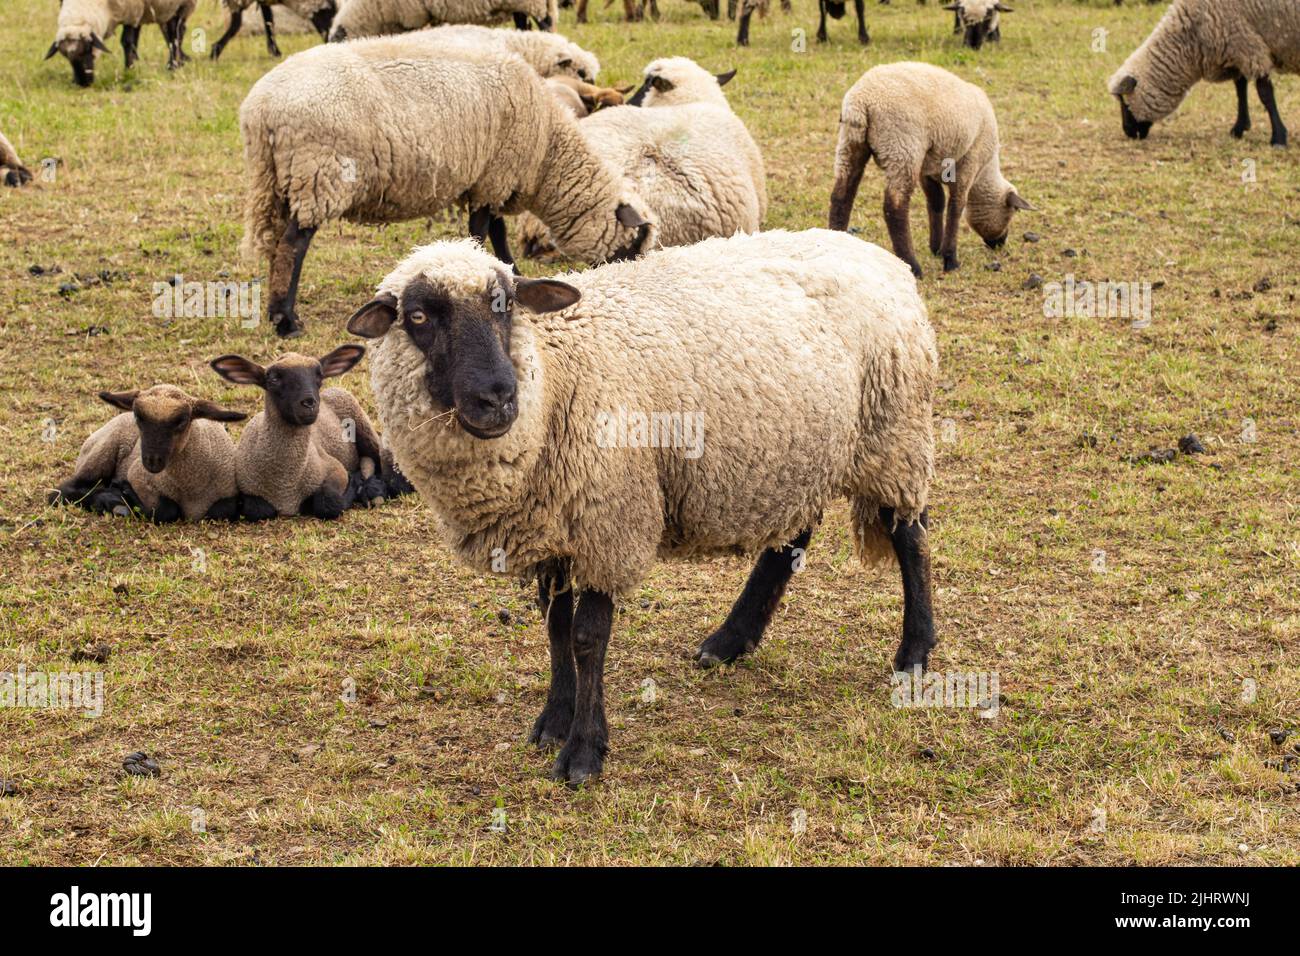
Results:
[328, 135]
[166, 455]
[320, 13]
[308, 451]
[923, 123]
[978, 20]
[84, 24]
[12, 170]
[1210, 40]
[567, 97]
[550, 54]
[368, 18]
[687, 155]
[834, 7]
[589, 98]
[556, 428]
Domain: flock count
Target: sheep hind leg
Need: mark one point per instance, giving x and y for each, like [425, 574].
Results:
[522, 22]
[863, 36]
[912, 548]
[130, 44]
[268, 21]
[956, 205]
[1264, 87]
[236, 21]
[897, 202]
[286, 270]
[1240, 127]
[753, 610]
[583, 755]
[555, 598]
[934, 209]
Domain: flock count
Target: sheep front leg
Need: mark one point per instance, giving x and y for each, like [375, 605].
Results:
[286, 269]
[912, 548]
[956, 205]
[583, 754]
[753, 610]
[821, 26]
[171, 33]
[521, 22]
[268, 21]
[742, 32]
[934, 209]
[897, 202]
[863, 37]
[1264, 87]
[130, 44]
[555, 597]
[483, 223]
[1240, 127]
[236, 21]
[582, 11]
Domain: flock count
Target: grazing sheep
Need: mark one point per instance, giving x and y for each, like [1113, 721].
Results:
[505, 400]
[834, 7]
[84, 24]
[320, 13]
[550, 54]
[1212, 40]
[328, 134]
[12, 170]
[979, 20]
[368, 18]
[923, 124]
[308, 451]
[166, 455]
[686, 154]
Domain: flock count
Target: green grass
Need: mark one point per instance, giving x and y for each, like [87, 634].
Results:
[1121, 688]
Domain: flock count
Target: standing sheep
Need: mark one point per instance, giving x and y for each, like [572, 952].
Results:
[923, 124]
[557, 429]
[1212, 40]
[84, 24]
[331, 134]
[550, 54]
[320, 13]
[978, 20]
[834, 7]
[12, 170]
[368, 18]
[167, 454]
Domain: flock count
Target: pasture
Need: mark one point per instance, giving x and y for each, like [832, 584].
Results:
[322, 693]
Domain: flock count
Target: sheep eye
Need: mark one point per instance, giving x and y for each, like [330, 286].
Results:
[417, 317]
[660, 84]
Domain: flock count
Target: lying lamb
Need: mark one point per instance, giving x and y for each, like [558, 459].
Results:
[308, 451]
[923, 124]
[319, 13]
[978, 20]
[501, 398]
[550, 54]
[327, 135]
[84, 24]
[12, 170]
[368, 18]
[686, 154]
[166, 455]
[1212, 40]
[586, 98]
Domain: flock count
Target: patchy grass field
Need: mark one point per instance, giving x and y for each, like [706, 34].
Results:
[1143, 619]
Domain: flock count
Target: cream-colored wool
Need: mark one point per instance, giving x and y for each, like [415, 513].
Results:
[809, 356]
[79, 20]
[12, 170]
[386, 130]
[200, 472]
[550, 54]
[1212, 40]
[367, 18]
[687, 155]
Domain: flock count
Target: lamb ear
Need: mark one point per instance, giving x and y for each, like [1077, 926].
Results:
[341, 359]
[1001, 9]
[629, 217]
[545, 295]
[724, 78]
[1016, 202]
[625, 90]
[122, 400]
[1126, 86]
[374, 318]
[54, 48]
[239, 370]
[97, 43]
[211, 410]
[952, 6]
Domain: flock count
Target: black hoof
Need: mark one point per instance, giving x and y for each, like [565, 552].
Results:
[551, 729]
[723, 646]
[287, 326]
[909, 658]
[578, 762]
[916, 269]
[1239, 131]
[950, 264]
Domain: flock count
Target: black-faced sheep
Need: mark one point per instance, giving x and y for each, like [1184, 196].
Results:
[978, 20]
[84, 25]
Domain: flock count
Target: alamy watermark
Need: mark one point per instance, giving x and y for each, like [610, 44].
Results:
[952, 689]
[1094, 300]
[208, 300]
[634, 429]
[53, 690]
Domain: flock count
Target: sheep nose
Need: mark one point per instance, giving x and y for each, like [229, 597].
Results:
[308, 403]
[153, 463]
[497, 398]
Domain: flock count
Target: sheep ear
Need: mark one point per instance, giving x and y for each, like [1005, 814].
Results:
[1001, 9]
[97, 43]
[211, 410]
[545, 295]
[625, 90]
[952, 6]
[239, 370]
[374, 318]
[565, 63]
[629, 217]
[1015, 202]
[341, 359]
[122, 400]
[724, 78]
[54, 48]
[1126, 86]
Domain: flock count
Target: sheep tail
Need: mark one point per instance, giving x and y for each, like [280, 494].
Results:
[265, 213]
[852, 153]
[871, 539]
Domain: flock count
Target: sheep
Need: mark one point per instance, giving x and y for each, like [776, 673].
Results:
[84, 24]
[329, 134]
[635, 10]
[167, 455]
[368, 18]
[550, 54]
[308, 451]
[320, 13]
[687, 155]
[556, 429]
[923, 123]
[834, 7]
[978, 20]
[591, 98]
[12, 170]
[1210, 40]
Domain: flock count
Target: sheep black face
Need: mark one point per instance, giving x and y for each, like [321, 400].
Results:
[163, 415]
[465, 343]
[1133, 127]
[292, 382]
[81, 54]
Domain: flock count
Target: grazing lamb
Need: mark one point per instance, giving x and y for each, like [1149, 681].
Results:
[979, 20]
[550, 54]
[327, 135]
[368, 18]
[320, 13]
[12, 170]
[84, 25]
[522, 411]
[308, 451]
[166, 455]
[1212, 40]
[923, 124]
[834, 7]
[687, 155]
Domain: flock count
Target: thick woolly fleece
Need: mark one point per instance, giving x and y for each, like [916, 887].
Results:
[12, 170]
[390, 129]
[808, 355]
[367, 18]
[79, 19]
[550, 54]
[1213, 40]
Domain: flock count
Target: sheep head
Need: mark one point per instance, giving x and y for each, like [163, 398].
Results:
[292, 382]
[676, 80]
[977, 20]
[80, 52]
[163, 415]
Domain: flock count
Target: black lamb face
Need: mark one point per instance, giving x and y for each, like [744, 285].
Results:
[81, 54]
[1133, 127]
[977, 33]
[163, 416]
[292, 382]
